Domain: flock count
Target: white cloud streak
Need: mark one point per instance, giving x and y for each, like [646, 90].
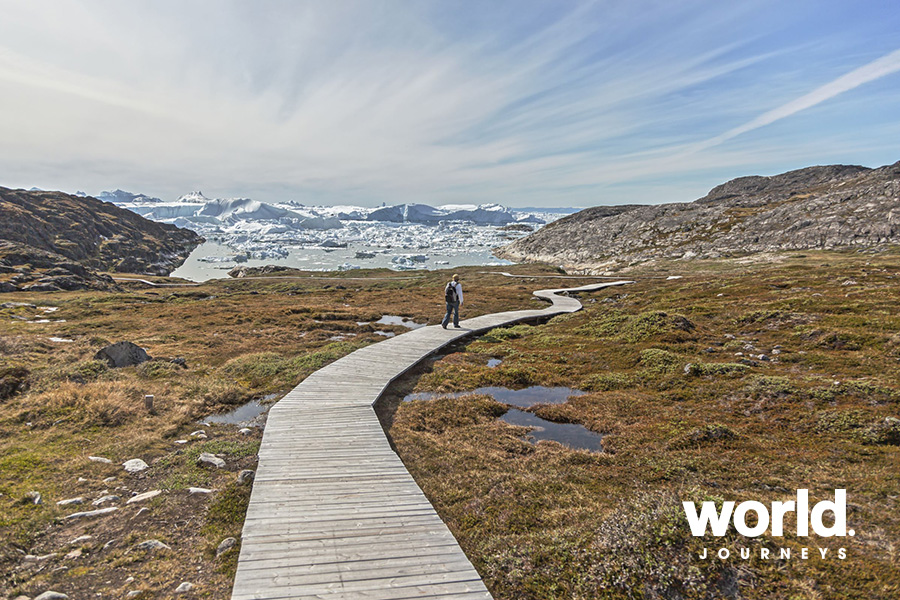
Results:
[354, 102]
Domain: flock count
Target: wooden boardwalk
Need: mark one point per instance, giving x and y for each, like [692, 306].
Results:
[334, 513]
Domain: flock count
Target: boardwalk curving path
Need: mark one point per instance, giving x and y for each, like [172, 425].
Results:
[334, 513]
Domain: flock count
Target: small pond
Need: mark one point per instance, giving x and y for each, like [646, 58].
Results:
[568, 434]
[525, 398]
[395, 320]
[572, 435]
[250, 414]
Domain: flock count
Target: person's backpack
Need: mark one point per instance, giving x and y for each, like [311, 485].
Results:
[450, 293]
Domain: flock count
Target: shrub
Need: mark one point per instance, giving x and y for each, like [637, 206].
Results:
[12, 381]
[716, 369]
[608, 382]
[659, 362]
[886, 432]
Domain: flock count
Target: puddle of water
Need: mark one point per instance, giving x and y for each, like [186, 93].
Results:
[386, 333]
[493, 362]
[395, 320]
[526, 398]
[572, 435]
[250, 414]
[60, 340]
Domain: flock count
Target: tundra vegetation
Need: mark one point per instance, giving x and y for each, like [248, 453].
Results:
[686, 417]
[241, 340]
[744, 380]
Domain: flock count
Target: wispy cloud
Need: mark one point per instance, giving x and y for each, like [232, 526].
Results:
[886, 65]
[516, 102]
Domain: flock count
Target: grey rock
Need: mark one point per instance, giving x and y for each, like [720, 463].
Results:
[184, 588]
[225, 545]
[144, 496]
[122, 354]
[91, 513]
[105, 499]
[99, 459]
[81, 539]
[51, 595]
[135, 465]
[211, 460]
[142, 511]
[134, 594]
[70, 501]
[32, 498]
[151, 545]
[764, 358]
[245, 431]
[838, 206]
[246, 476]
[198, 490]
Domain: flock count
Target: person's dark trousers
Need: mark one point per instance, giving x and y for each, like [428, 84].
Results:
[452, 307]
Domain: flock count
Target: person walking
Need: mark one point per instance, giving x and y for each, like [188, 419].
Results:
[453, 294]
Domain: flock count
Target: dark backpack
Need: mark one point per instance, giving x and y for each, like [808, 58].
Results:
[450, 293]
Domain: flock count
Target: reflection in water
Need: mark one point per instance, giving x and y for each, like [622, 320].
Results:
[251, 414]
[494, 362]
[526, 398]
[567, 434]
[395, 320]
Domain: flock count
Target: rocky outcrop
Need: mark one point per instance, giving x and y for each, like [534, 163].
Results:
[122, 354]
[814, 208]
[76, 236]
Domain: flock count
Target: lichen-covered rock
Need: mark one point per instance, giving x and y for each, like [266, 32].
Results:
[122, 354]
[814, 208]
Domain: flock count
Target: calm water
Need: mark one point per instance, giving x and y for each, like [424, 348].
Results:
[526, 398]
[568, 434]
[395, 320]
[248, 414]
[572, 435]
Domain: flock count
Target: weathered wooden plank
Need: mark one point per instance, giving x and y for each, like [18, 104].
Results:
[333, 512]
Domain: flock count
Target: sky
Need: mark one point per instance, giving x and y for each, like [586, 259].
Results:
[554, 103]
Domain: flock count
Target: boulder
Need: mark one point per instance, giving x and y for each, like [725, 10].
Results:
[90, 514]
[51, 595]
[210, 460]
[225, 545]
[151, 545]
[135, 465]
[144, 496]
[122, 354]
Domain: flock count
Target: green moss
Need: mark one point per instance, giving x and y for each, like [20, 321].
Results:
[656, 361]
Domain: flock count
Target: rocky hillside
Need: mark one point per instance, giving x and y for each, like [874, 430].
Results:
[817, 207]
[74, 236]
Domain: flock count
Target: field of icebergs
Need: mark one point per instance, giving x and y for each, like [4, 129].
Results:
[401, 237]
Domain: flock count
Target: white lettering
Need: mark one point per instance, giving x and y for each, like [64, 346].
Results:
[718, 522]
[786, 553]
[838, 509]
[703, 554]
[823, 551]
[842, 553]
[762, 518]
[779, 509]
[803, 512]
[804, 553]
[724, 553]
[745, 553]
[764, 553]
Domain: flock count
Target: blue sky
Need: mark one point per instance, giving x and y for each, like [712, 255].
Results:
[523, 103]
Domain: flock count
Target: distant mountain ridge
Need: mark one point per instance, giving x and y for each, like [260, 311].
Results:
[817, 207]
[75, 235]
